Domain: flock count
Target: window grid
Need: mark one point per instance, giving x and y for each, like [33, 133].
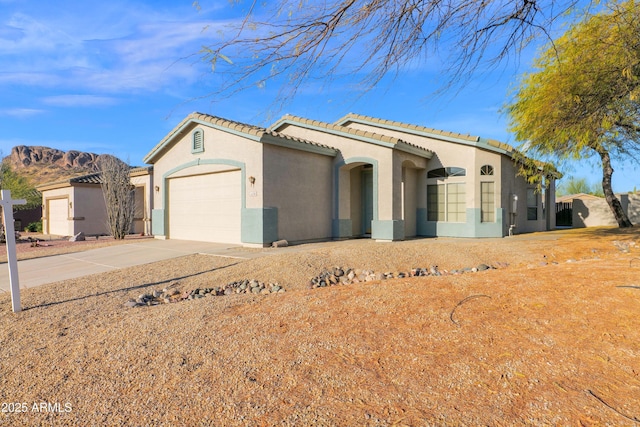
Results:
[487, 198]
[456, 203]
[532, 204]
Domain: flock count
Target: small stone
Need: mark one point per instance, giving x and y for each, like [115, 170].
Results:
[338, 272]
[483, 267]
[131, 303]
[265, 291]
[228, 291]
[156, 294]
[276, 288]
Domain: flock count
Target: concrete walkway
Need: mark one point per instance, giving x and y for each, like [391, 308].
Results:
[40, 271]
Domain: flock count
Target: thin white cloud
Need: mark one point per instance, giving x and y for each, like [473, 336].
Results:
[140, 50]
[79, 101]
[21, 113]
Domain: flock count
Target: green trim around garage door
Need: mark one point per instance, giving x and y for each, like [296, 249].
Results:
[258, 225]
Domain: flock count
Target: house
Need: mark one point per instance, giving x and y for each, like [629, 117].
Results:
[77, 204]
[304, 180]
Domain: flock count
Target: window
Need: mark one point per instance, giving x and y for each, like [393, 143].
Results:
[197, 141]
[456, 203]
[532, 204]
[446, 202]
[446, 172]
[486, 170]
[435, 203]
[487, 198]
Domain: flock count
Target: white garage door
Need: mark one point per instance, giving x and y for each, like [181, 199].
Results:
[58, 216]
[206, 207]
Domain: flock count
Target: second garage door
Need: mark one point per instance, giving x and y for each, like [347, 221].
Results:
[206, 207]
[58, 216]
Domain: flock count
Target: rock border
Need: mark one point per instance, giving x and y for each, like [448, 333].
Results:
[171, 295]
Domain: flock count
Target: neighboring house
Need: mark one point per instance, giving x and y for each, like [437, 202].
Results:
[592, 211]
[77, 204]
[303, 180]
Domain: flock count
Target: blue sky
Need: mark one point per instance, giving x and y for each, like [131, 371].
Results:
[115, 77]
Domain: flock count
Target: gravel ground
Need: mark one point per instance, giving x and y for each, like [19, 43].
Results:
[549, 338]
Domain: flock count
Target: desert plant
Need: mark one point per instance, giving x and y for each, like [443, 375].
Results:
[118, 195]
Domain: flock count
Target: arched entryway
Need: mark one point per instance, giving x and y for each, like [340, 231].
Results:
[356, 198]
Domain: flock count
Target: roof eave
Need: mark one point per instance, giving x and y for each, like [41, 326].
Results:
[301, 146]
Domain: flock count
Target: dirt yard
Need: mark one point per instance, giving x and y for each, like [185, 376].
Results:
[550, 337]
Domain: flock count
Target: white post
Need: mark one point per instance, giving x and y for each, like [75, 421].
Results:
[10, 235]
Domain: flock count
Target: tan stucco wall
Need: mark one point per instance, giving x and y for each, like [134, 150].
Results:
[299, 184]
[350, 149]
[218, 145]
[89, 212]
[596, 212]
[472, 158]
[389, 161]
[142, 220]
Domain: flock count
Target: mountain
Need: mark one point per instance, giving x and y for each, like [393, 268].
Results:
[41, 165]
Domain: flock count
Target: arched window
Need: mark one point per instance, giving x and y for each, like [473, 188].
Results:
[197, 141]
[446, 172]
[486, 170]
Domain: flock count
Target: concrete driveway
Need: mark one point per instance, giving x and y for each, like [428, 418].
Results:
[39, 271]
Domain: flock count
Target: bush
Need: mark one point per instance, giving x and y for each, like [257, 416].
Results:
[35, 227]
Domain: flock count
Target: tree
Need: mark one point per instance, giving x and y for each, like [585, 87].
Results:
[19, 186]
[118, 195]
[577, 186]
[301, 40]
[582, 98]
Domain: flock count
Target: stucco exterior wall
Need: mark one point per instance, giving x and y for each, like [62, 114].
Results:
[596, 212]
[299, 185]
[461, 154]
[143, 208]
[88, 211]
[222, 151]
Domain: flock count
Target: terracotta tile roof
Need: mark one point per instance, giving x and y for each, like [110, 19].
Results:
[356, 133]
[408, 126]
[343, 129]
[244, 128]
[91, 178]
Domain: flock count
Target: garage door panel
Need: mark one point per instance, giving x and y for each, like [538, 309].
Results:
[58, 216]
[206, 207]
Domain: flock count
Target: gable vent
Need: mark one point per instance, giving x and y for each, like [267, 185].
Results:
[197, 145]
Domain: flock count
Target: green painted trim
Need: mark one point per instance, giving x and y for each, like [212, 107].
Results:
[392, 229]
[193, 134]
[421, 222]
[301, 146]
[336, 180]
[151, 156]
[197, 162]
[412, 149]
[259, 225]
[323, 129]
[342, 228]
[479, 142]
[472, 228]
[158, 222]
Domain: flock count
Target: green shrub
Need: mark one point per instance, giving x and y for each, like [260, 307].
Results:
[35, 227]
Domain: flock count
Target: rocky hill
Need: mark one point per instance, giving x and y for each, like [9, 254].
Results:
[40, 165]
